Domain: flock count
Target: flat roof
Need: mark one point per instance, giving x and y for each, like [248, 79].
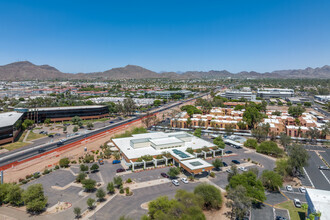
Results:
[195, 164]
[321, 201]
[181, 155]
[9, 118]
[65, 108]
[165, 140]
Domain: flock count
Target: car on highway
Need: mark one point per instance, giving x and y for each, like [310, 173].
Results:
[57, 134]
[289, 188]
[110, 122]
[176, 182]
[236, 162]
[41, 151]
[164, 175]
[184, 180]
[280, 218]
[120, 170]
[224, 164]
[243, 169]
[115, 161]
[59, 143]
[297, 203]
[324, 168]
[302, 189]
[228, 152]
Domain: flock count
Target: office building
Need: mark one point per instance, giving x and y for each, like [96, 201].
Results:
[318, 201]
[268, 93]
[10, 126]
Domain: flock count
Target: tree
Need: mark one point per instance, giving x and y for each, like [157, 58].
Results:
[198, 132]
[296, 111]
[90, 203]
[157, 102]
[238, 201]
[173, 172]
[282, 167]
[271, 180]
[233, 172]
[219, 142]
[77, 212]
[261, 132]
[4, 190]
[14, 195]
[148, 119]
[210, 195]
[217, 163]
[116, 155]
[252, 116]
[285, 140]
[64, 129]
[188, 199]
[90, 125]
[75, 129]
[229, 129]
[75, 120]
[251, 143]
[81, 177]
[313, 133]
[107, 153]
[298, 158]
[64, 162]
[47, 121]
[253, 186]
[190, 150]
[100, 194]
[94, 167]
[118, 181]
[27, 124]
[89, 184]
[241, 125]
[269, 148]
[129, 106]
[34, 198]
[111, 188]
[83, 168]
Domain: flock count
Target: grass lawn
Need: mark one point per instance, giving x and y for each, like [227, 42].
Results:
[94, 120]
[295, 213]
[17, 144]
[32, 136]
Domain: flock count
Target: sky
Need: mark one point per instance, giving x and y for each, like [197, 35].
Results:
[235, 35]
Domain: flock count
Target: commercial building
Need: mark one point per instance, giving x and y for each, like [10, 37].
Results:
[168, 94]
[323, 99]
[55, 114]
[10, 126]
[268, 93]
[166, 148]
[137, 101]
[318, 201]
[237, 94]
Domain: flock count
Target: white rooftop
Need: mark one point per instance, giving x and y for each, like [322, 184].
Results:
[132, 153]
[321, 201]
[196, 163]
[9, 118]
[165, 140]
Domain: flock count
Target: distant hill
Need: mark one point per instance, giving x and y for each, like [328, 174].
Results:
[28, 71]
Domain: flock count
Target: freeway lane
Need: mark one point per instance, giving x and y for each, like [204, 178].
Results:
[33, 150]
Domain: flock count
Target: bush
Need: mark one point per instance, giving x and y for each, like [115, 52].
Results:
[36, 175]
[81, 177]
[111, 188]
[121, 190]
[269, 148]
[90, 203]
[46, 171]
[89, 158]
[73, 162]
[212, 174]
[251, 143]
[210, 195]
[89, 184]
[28, 176]
[100, 194]
[34, 198]
[94, 167]
[56, 167]
[64, 162]
[128, 180]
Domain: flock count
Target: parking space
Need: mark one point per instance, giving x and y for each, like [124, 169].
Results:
[282, 213]
[326, 155]
[146, 175]
[108, 171]
[274, 198]
[261, 212]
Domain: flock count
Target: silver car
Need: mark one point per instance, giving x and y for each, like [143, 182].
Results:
[176, 183]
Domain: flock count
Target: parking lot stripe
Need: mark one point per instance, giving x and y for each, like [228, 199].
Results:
[325, 176]
[308, 177]
[284, 195]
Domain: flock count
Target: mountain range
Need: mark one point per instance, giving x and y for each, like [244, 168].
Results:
[26, 70]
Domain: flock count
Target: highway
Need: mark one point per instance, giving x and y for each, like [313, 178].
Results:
[31, 150]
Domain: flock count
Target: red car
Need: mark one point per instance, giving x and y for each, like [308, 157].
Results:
[164, 175]
[120, 170]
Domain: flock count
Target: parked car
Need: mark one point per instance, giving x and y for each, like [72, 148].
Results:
[51, 136]
[67, 124]
[280, 218]
[164, 175]
[324, 168]
[57, 134]
[41, 132]
[225, 164]
[101, 162]
[297, 203]
[229, 171]
[243, 169]
[115, 161]
[176, 183]
[236, 162]
[228, 152]
[120, 170]
[289, 188]
[184, 180]
[302, 189]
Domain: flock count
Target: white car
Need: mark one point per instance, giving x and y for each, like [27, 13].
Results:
[184, 180]
[297, 203]
[289, 188]
[243, 169]
[302, 189]
[176, 183]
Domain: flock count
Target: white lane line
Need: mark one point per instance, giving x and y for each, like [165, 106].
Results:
[325, 176]
[309, 177]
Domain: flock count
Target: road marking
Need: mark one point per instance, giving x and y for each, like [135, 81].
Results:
[284, 195]
[308, 177]
[325, 176]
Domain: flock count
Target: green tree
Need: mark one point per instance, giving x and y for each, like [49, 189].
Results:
[81, 177]
[210, 195]
[296, 111]
[229, 129]
[219, 142]
[269, 148]
[217, 163]
[116, 155]
[118, 181]
[157, 102]
[285, 140]
[94, 167]
[75, 120]
[198, 132]
[111, 188]
[77, 212]
[298, 158]
[34, 198]
[190, 150]
[261, 132]
[83, 168]
[27, 124]
[4, 190]
[173, 172]
[233, 172]
[90, 203]
[251, 143]
[282, 167]
[47, 121]
[271, 180]
[238, 201]
[252, 116]
[241, 125]
[90, 125]
[14, 195]
[64, 162]
[100, 194]
[75, 129]
[89, 184]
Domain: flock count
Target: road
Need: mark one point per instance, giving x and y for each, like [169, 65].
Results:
[35, 149]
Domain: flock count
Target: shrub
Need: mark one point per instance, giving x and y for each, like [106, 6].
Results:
[128, 180]
[121, 190]
[46, 171]
[56, 167]
[251, 143]
[269, 148]
[36, 175]
[212, 174]
[210, 195]
[81, 177]
[73, 162]
[64, 162]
